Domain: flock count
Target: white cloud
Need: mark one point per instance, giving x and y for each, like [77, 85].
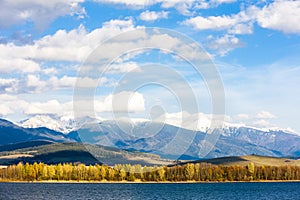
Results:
[180, 5]
[49, 107]
[17, 106]
[132, 3]
[11, 105]
[240, 23]
[242, 28]
[261, 123]
[282, 15]
[51, 70]
[211, 22]
[224, 44]
[8, 85]
[17, 64]
[125, 101]
[184, 7]
[242, 116]
[279, 15]
[40, 12]
[5, 100]
[27, 61]
[117, 68]
[223, 1]
[262, 119]
[82, 82]
[198, 121]
[265, 115]
[32, 83]
[4, 110]
[152, 15]
[74, 45]
[7, 97]
[130, 101]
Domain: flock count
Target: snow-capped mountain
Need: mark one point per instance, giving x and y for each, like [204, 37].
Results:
[63, 125]
[194, 122]
[169, 141]
[158, 138]
[11, 133]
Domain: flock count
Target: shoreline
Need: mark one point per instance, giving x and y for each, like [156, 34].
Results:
[147, 182]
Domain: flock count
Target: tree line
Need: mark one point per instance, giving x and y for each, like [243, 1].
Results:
[127, 172]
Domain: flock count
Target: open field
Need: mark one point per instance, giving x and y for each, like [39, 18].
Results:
[245, 160]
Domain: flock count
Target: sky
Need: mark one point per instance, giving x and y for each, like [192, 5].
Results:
[254, 46]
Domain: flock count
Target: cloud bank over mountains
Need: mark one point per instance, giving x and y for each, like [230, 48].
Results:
[43, 45]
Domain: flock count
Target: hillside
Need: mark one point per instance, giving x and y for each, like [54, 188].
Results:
[75, 152]
[245, 160]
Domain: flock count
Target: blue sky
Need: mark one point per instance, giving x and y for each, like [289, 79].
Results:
[255, 46]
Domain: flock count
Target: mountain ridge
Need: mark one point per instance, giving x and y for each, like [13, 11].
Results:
[69, 124]
[157, 138]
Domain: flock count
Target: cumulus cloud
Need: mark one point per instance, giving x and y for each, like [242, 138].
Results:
[240, 23]
[8, 85]
[125, 101]
[4, 110]
[117, 68]
[242, 116]
[74, 45]
[70, 82]
[49, 107]
[281, 15]
[229, 25]
[197, 121]
[182, 6]
[33, 83]
[262, 119]
[27, 61]
[17, 64]
[261, 123]
[39, 12]
[211, 22]
[223, 1]
[152, 15]
[265, 115]
[278, 15]
[132, 3]
[223, 45]
[50, 70]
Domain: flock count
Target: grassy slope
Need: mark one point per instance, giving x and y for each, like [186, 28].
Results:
[257, 160]
[76, 152]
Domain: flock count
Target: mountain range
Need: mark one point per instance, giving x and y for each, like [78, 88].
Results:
[165, 140]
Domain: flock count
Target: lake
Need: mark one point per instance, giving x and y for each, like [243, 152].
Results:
[85, 191]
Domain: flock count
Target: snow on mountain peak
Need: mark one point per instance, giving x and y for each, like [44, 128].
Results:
[197, 122]
[64, 125]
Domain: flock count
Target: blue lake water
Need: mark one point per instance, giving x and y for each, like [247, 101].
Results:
[85, 191]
